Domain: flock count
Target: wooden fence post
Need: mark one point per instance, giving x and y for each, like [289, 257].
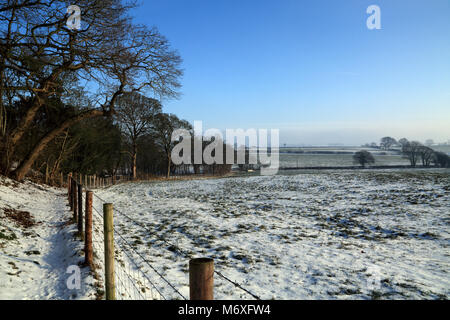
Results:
[80, 210]
[69, 189]
[71, 192]
[75, 201]
[201, 279]
[108, 225]
[88, 251]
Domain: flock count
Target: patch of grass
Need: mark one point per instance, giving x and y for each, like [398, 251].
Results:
[273, 261]
[32, 252]
[350, 292]
[375, 295]
[5, 236]
[22, 218]
[12, 183]
[407, 286]
[100, 293]
[242, 257]
[441, 296]
[30, 234]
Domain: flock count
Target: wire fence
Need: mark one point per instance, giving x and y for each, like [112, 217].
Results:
[136, 278]
[131, 282]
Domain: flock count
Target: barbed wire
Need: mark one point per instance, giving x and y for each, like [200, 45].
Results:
[185, 254]
[119, 267]
[236, 284]
[162, 277]
[145, 261]
[177, 248]
[97, 246]
[171, 245]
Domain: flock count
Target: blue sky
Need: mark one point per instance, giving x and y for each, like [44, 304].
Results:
[311, 68]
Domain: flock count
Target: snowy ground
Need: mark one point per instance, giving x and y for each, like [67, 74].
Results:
[34, 258]
[324, 235]
[316, 235]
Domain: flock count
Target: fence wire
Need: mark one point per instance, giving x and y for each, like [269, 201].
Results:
[180, 251]
[132, 283]
[98, 250]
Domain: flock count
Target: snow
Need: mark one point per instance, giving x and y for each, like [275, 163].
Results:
[34, 261]
[325, 235]
[315, 235]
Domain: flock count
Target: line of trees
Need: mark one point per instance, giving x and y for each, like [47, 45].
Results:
[414, 151]
[417, 153]
[79, 100]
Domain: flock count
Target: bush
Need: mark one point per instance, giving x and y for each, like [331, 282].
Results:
[363, 157]
[441, 160]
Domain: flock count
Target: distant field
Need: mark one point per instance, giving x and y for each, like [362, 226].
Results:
[332, 150]
[338, 160]
[334, 157]
[445, 149]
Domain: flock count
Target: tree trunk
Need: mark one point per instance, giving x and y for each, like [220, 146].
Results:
[169, 160]
[60, 157]
[29, 160]
[134, 156]
[25, 122]
[46, 172]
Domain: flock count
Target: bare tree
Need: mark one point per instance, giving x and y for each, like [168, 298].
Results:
[363, 158]
[411, 151]
[135, 115]
[427, 155]
[38, 52]
[441, 160]
[387, 142]
[403, 142]
[164, 126]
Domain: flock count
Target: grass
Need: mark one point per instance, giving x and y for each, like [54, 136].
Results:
[4, 236]
[32, 252]
[21, 218]
[347, 212]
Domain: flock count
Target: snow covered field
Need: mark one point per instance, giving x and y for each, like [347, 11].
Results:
[316, 235]
[323, 235]
[336, 160]
[37, 245]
